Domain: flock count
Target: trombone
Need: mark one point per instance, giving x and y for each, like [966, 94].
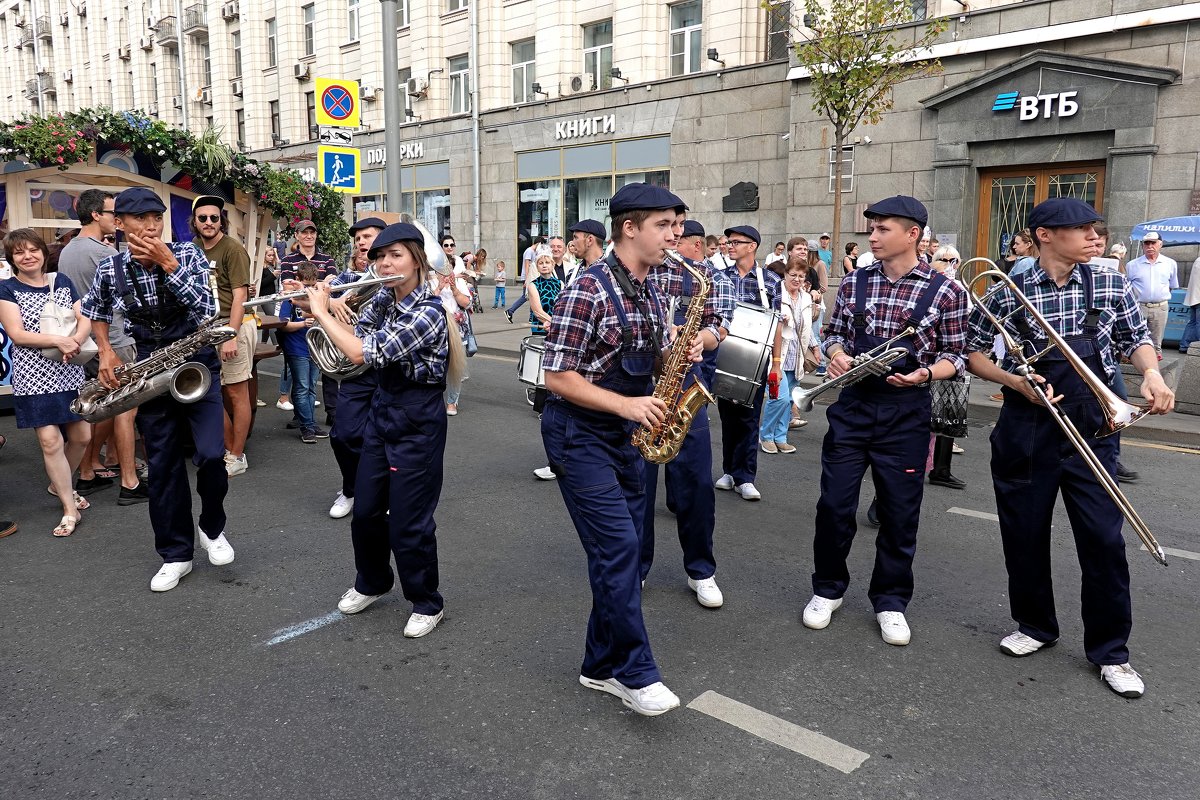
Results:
[1118, 414]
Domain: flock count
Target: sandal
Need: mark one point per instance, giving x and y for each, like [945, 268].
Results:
[81, 503]
[107, 472]
[65, 527]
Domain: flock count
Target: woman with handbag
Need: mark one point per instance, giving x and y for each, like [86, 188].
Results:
[50, 338]
[948, 400]
[793, 342]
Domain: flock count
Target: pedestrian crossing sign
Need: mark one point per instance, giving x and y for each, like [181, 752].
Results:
[340, 168]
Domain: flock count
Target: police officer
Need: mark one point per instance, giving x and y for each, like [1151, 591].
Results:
[163, 290]
[601, 349]
[353, 394]
[689, 476]
[1093, 310]
[739, 424]
[404, 334]
[883, 422]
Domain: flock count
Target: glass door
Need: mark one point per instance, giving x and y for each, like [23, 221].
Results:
[1007, 196]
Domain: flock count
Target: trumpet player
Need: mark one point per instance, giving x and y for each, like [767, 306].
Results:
[602, 347]
[1091, 310]
[882, 422]
[163, 291]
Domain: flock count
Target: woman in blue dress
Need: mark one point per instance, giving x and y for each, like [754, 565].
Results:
[43, 389]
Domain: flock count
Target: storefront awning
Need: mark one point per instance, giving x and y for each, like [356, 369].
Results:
[1173, 230]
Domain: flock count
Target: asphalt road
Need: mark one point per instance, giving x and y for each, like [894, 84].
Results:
[111, 691]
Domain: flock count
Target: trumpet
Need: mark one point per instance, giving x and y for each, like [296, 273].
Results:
[1118, 414]
[877, 361]
[298, 293]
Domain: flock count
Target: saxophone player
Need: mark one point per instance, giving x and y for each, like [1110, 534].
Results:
[688, 477]
[163, 291]
[606, 336]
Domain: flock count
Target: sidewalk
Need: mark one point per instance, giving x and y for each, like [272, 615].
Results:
[498, 338]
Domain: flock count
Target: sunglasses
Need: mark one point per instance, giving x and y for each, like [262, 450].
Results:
[448, 244]
[949, 260]
[208, 218]
[110, 239]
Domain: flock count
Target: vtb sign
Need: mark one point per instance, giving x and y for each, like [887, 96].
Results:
[1035, 106]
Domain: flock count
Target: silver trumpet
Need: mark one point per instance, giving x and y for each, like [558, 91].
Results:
[877, 361]
[301, 293]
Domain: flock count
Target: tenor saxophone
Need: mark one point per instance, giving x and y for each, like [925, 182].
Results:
[662, 442]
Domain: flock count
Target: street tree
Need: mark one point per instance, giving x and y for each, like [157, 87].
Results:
[856, 52]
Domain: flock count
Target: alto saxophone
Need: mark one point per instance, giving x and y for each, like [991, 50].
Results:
[661, 443]
[166, 369]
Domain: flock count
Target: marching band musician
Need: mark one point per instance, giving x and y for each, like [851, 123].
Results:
[353, 394]
[689, 474]
[883, 422]
[163, 290]
[601, 350]
[739, 424]
[405, 335]
[1093, 310]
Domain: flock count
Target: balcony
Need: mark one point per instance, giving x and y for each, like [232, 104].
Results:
[167, 33]
[26, 38]
[31, 86]
[195, 20]
[44, 31]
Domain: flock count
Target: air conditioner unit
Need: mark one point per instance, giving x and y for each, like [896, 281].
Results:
[153, 110]
[236, 88]
[67, 76]
[81, 8]
[230, 11]
[151, 22]
[20, 22]
[206, 96]
[300, 70]
[146, 43]
[582, 83]
[177, 101]
[64, 19]
[123, 52]
[416, 87]
[366, 93]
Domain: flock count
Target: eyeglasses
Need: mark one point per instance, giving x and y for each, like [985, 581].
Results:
[107, 211]
[208, 218]
[738, 242]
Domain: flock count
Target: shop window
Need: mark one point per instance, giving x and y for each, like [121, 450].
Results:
[598, 54]
[539, 163]
[582, 160]
[643, 153]
[686, 31]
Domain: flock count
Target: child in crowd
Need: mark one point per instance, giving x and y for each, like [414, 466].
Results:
[501, 284]
[295, 352]
[543, 293]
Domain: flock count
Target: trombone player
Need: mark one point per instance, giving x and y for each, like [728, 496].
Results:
[1091, 310]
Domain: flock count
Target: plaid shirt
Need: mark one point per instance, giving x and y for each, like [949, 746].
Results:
[718, 307]
[324, 262]
[942, 333]
[585, 331]
[189, 283]
[1121, 323]
[393, 333]
[745, 288]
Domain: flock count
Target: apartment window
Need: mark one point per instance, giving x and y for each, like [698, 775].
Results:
[310, 114]
[309, 15]
[460, 84]
[685, 38]
[455, 5]
[276, 128]
[402, 14]
[779, 23]
[241, 127]
[524, 71]
[272, 43]
[206, 64]
[847, 168]
[920, 10]
[235, 39]
[352, 20]
[598, 54]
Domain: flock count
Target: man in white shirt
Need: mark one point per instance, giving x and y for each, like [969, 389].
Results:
[1153, 276]
[776, 255]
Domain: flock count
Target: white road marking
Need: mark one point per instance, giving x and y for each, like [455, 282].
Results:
[1171, 551]
[800, 740]
[967, 512]
[285, 634]
[1172, 447]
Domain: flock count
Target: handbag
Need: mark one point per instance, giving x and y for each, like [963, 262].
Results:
[948, 400]
[469, 342]
[56, 320]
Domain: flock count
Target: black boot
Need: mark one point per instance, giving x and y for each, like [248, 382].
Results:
[873, 512]
[943, 451]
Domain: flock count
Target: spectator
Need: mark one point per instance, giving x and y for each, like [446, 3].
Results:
[530, 255]
[824, 252]
[850, 260]
[1025, 248]
[778, 254]
[501, 280]
[455, 295]
[42, 388]
[1153, 276]
[305, 249]
[1191, 333]
[942, 448]
[793, 338]
[923, 246]
[1119, 251]
[543, 292]
[710, 246]
[295, 352]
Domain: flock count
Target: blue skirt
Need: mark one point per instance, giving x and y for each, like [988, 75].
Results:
[38, 410]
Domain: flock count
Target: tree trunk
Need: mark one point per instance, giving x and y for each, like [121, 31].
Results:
[839, 136]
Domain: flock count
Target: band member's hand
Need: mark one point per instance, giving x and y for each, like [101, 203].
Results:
[1032, 395]
[645, 411]
[341, 311]
[229, 349]
[109, 360]
[1155, 389]
[696, 350]
[152, 251]
[545, 318]
[252, 291]
[839, 364]
[914, 378]
[318, 299]
[291, 285]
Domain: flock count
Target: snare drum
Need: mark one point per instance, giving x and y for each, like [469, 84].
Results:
[529, 367]
[743, 358]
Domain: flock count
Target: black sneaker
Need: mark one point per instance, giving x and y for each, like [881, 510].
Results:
[293, 425]
[873, 513]
[138, 494]
[308, 436]
[320, 433]
[86, 487]
[1123, 475]
[508, 314]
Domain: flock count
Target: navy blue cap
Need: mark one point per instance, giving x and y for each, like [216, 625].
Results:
[747, 231]
[692, 228]
[643, 196]
[589, 226]
[396, 232]
[368, 222]
[1062, 212]
[899, 206]
[138, 200]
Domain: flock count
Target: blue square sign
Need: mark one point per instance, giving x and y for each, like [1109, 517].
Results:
[340, 168]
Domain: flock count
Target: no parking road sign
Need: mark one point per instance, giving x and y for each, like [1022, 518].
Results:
[340, 168]
[337, 102]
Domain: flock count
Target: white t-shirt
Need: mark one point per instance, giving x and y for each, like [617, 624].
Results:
[865, 260]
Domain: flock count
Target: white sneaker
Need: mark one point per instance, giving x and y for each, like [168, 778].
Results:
[545, 474]
[725, 483]
[1018, 645]
[316, 403]
[748, 492]
[649, 701]
[341, 507]
[707, 593]
[819, 611]
[220, 552]
[228, 456]
[1123, 680]
[956, 450]
[894, 627]
[284, 405]
[421, 624]
[168, 577]
[236, 465]
[353, 601]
